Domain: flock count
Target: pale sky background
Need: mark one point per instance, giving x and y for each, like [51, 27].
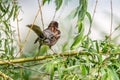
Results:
[101, 20]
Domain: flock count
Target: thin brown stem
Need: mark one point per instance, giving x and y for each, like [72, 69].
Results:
[25, 40]
[31, 27]
[54, 15]
[18, 30]
[41, 14]
[19, 39]
[89, 31]
[111, 20]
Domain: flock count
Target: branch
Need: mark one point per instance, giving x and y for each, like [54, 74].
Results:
[21, 60]
[5, 77]
[40, 9]
[111, 20]
[89, 31]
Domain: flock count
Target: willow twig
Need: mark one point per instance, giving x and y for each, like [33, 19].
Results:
[5, 77]
[111, 20]
[89, 31]
[40, 58]
[41, 14]
[21, 60]
[25, 40]
[54, 15]
[19, 40]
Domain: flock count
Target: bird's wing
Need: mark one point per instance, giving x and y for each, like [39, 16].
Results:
[37, 30]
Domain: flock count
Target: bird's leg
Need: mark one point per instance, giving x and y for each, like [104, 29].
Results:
[52, 50]
[36, 40]
[39, 49]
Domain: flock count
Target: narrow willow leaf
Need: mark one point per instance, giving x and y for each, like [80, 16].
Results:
[83, 9]
[6, 25]
[81, 15]
[116, 64]
[64, 46]
[58, 4]
[7, 9]
[52, 71]
[76, 11]
[4, 11]
[83, 70]
[112, 73]
[11, 52]
[100, 59]
[71, 68]
[5, 46]
[44, 1]
[105, 48]
[2, 15]
[48, 67]
[43, 49]
[11, 13]
[79, 26]
[72, 14]
[89, 17]
[2, 8]
[15, 12]
[78, 38]
[16, 8]
[97, 47]
[104, 77]
[59, 72]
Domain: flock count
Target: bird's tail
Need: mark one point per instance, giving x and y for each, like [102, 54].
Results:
[37, 30]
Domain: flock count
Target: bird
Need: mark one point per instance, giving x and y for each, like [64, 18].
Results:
[48, 36]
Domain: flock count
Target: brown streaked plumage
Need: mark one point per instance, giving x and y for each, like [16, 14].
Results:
[49, 36]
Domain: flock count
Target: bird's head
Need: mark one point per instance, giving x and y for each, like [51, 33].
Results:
[53, 24]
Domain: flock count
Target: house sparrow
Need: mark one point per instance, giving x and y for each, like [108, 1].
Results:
[49, 36]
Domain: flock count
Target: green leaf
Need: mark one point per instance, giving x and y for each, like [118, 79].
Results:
[104, 77]
[43, 49]
[44, 1]
[58, 4]
[16, 8]
[60, 74]
[11, 13]
[78, 38]
[83, 70]
[100, 60]
[7, 9]
[52, 71]
[79, 26]
[89, 17]
[82, 9]
[112, 75]
[71, 68]
[97, 47]
[64, 46]
[72, 14]
[1, 8]
[7, 26]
